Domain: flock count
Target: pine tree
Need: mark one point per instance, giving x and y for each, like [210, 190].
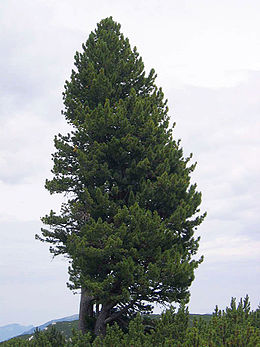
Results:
[128, 221]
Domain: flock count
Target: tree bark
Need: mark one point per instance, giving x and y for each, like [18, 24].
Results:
[85, 309]
[104, 317]
[97, 309]
[100, 326]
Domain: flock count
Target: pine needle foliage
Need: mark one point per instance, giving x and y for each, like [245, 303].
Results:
[130, 211]
[237, 326]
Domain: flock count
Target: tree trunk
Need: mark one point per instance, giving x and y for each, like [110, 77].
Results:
[100, 326]
[85, 310]
[97, 309]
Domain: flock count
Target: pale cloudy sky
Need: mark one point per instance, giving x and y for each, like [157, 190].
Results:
[207, 57]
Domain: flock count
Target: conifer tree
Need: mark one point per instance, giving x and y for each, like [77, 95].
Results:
[127, 224]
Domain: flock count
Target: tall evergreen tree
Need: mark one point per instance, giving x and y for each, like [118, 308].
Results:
[128, 222]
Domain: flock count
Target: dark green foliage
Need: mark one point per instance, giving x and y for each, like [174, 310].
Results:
[193, 317]
[234, 327]
[128, 223]
[171, 325]
[80, 340]
[15, 342]
[49, 338]
[255, 316]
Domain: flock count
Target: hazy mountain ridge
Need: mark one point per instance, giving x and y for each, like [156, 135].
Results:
[14, 330]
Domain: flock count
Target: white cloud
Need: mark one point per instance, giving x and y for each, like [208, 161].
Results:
[26, 202]
[26, 143]
[234, 248]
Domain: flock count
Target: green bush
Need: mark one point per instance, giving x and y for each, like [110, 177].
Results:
[237, 326]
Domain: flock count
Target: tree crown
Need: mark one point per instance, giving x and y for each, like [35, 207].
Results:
[129, 219]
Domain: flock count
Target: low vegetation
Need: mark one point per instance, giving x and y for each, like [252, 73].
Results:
[237, 326]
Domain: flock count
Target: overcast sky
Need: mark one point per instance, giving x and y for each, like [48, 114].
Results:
[207, 57]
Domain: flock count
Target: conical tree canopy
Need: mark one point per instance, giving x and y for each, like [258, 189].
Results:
[128, 222]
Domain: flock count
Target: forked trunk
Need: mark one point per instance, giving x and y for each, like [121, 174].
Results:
[100, 326]
[85, 310]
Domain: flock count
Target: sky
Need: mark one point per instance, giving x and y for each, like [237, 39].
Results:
[207, 58]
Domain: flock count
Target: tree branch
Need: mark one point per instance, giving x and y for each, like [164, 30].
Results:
[119, 313]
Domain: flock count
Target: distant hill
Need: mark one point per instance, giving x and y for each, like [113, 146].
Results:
[54, 321]
[65, 328]
[206, 317]
[12, 330]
